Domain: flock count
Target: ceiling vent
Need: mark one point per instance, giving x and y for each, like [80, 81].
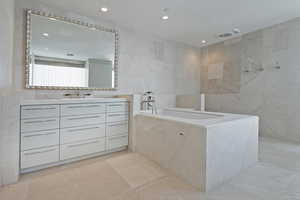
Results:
[235, 31]
[225, 35]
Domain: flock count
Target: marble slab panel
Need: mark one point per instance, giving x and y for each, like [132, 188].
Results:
[205, 156]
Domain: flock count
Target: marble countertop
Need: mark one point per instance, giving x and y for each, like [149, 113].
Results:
[220, 119]
[71, 101]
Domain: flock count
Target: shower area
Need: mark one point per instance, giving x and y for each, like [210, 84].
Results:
[257, 74]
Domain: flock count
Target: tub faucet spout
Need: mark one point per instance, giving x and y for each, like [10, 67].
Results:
[149, 105]
[148, 102]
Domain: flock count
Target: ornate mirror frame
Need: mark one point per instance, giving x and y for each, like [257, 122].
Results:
[29, 14]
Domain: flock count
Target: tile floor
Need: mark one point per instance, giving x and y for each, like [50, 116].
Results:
[130, 176]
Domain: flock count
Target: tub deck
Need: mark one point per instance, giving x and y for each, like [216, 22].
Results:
[190, 116]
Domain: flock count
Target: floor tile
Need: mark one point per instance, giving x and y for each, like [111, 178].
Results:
[169, 188]
[131, 176]
[136, 170]
[281, 154]
[14, 192]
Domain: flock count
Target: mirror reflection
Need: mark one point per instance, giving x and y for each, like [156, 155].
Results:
[64, 54]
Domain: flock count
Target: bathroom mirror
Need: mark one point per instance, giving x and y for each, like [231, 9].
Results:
[63, 53]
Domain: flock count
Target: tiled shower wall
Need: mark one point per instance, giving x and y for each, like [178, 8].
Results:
[261, 76]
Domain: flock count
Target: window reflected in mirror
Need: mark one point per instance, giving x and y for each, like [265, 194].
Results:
[68, 55]
[55, 72]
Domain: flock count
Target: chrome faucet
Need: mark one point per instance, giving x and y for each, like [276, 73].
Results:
[148, 102]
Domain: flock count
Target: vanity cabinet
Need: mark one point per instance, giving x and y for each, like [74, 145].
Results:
[56, 134]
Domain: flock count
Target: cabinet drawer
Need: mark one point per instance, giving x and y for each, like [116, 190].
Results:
[117, 142]
[30, 125]
[82, 148]
[41, 139]
[117, 117]
[117, 128]
[77, 121]
[28, 112]
[32, 158]
[69, 135]
[117, 107]
[82, 109]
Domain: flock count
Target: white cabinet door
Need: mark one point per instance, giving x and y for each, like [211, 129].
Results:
[40, 139]
[69, 135]
[37, 157]
[116, 117]
[29, 112]
[31, 125]
[82, 148]
[117, 128]
[77, 121]
[117, 142]
[82, 109]
[117, 107]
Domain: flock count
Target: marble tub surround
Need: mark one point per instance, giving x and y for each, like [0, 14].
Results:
[203, 152]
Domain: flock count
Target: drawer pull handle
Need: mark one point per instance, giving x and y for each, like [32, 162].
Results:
[113, 125]
[116, 115]
[48, 108]
[28, 136]
[116, 105]
[82, 144]
[40, 121]
[77, 118]
[118, 138]
[90, 106]
[39, 152]
[83, 129]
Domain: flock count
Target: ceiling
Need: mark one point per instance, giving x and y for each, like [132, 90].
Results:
[190, 21]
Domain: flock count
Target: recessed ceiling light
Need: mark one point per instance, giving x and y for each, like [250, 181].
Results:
[236, 31]
[203, 41]
[104, 9]
[165, 17]
[46, 34]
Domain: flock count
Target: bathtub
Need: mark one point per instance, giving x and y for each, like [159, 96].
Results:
[189, 114]
[203, 148]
